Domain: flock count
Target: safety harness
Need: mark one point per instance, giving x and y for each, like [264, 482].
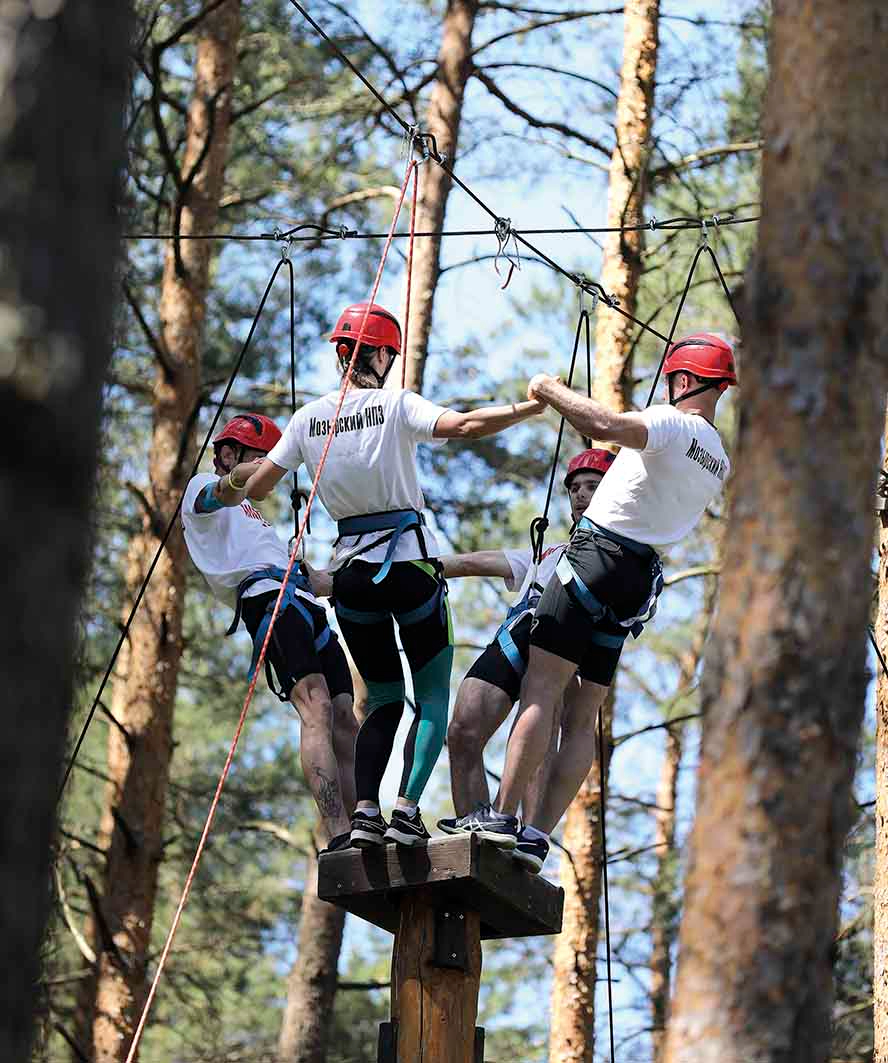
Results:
[596, 609]
[295, 584]
[525, 606]
[393, 523]
[436, 603]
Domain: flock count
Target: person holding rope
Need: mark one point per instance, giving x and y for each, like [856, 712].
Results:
[244, 563]
[671, 466]
[492, 684]
[385, 565]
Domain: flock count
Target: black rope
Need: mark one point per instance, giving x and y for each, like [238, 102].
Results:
[328, 233]
[872, 637]
[141, 593]
[703, 247]
[607, 941]
[539, 525]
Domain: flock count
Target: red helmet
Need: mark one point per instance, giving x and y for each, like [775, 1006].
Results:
[253, 430]
[595, 460]
[382, 328]
[704, 355]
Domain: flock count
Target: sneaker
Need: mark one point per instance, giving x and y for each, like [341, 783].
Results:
[368, 830]
[407, 830]
[486, 825]
[341, 841]
[531, 852]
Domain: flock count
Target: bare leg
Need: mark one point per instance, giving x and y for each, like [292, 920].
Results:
[345, 731]
[576, 753]
[547, 676]
[533, 798]
[311, 699]
[480, 709]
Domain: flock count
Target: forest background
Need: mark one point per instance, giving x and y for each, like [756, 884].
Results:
[305, 142]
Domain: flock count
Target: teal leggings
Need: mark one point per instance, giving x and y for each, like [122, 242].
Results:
[413, 593]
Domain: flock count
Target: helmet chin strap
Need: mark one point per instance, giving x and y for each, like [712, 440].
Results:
[381, 378]
[673, 401]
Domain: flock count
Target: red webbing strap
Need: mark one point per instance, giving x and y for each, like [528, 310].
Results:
[131, 1055]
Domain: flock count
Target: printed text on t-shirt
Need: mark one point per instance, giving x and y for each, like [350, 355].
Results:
[372, 417]
[708, 461]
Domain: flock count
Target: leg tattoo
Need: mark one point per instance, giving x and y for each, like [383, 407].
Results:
[327, 795]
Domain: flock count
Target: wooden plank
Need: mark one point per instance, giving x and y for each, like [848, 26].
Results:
[372, 883]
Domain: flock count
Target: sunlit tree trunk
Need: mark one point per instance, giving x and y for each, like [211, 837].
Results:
[443, 120]
[572, 1029]
[63, 85]
[139, 755]
[663, 919]
[880, 881]
[784, 685]
[627, 192]
[572, 1023]
[311, 987]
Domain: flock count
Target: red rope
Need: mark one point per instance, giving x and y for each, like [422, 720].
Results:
[409, 273]
[131, 1055]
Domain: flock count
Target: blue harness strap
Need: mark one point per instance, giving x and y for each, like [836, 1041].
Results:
[395, 522]
[597, 610]
[296, 582]
[510, 650]
[413, 616]
[527, 604]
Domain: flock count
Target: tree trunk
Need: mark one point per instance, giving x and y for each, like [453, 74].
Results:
[572, 1026]
[627, 191]
[880, 881]
[311, 987]
[144, 694]
[572, 1030]
[664, 900]
[63, 83]
[784, 688]
[443, 120]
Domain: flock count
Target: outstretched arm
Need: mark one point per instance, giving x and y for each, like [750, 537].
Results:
[228, 490]
[264, 479]
[479, 563]
[588, 417]
[475, 424]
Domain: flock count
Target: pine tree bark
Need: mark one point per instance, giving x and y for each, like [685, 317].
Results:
[663, 928]
[572, 1028]
[145, 688]
[311, 987]
[880, 879]
[572, 1023]
[784, 685]
[63, 86]
[627, 192]
[443, 120]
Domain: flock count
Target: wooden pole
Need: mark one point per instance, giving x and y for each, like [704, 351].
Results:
[436, 975]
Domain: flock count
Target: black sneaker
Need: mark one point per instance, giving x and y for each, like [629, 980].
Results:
[368, 830]
[531, 852]
[341, 841]
[407, 830]
[486, 825]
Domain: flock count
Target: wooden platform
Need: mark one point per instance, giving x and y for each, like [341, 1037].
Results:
[458, 869]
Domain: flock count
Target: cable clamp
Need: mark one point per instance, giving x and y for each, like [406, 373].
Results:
[504, 232]
[652, 224]
[704, 234]
[344, 232]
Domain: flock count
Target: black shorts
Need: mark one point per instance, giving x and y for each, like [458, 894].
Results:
[494, 667]
[619, 578]
[291, 649]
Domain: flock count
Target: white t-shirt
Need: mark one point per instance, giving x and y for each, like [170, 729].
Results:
[230, 543]
[657, 495]
[521, 563]
[371, 467]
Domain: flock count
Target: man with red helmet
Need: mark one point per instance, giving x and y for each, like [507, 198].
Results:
[385, 564]
[671, 466]
[244, 563]
[492, 684]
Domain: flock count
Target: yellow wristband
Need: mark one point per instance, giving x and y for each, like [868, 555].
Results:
[233, 484]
